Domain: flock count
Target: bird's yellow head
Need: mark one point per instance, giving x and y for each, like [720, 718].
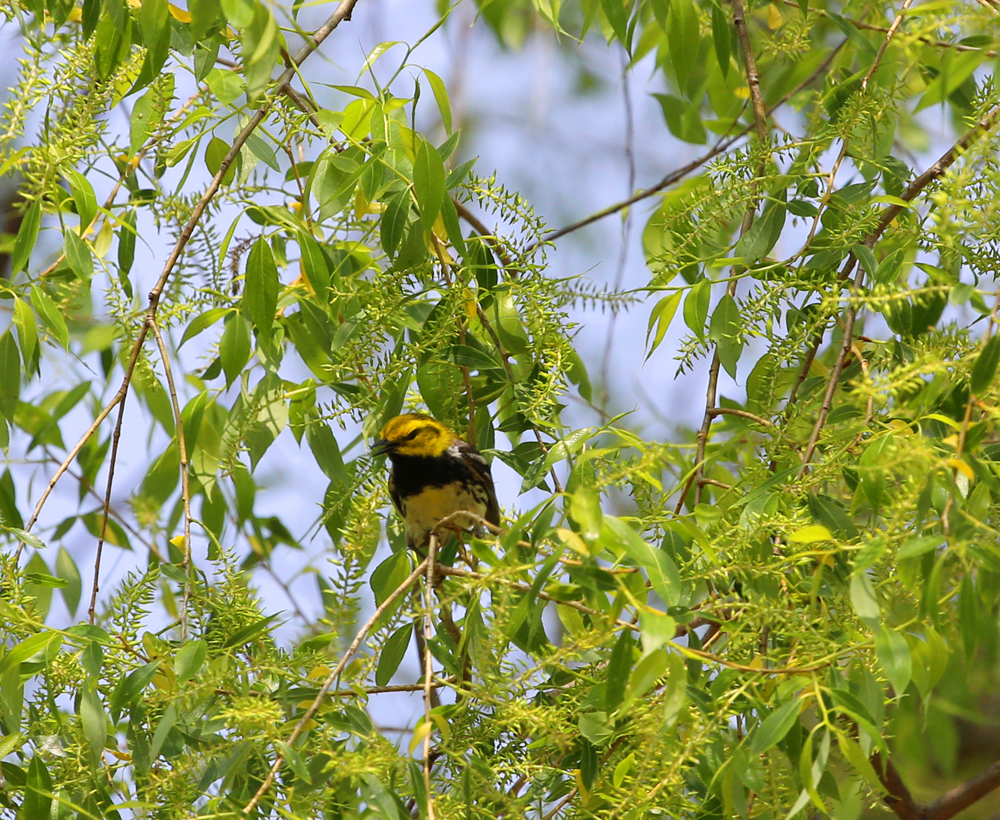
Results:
[413, 434]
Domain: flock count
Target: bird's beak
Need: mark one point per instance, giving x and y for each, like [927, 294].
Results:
[381, 447]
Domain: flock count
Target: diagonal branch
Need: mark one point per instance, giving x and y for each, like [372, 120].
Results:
[947, 805]
[987, 123]
[342, 12]
[760, 126]
[331, 679]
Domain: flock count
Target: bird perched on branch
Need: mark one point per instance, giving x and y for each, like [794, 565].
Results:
[435, 474]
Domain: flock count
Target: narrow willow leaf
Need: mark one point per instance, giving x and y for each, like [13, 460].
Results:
[775, 726]
[26, 237]
[10, 375]
[27, 331]
[261, 294]
[441, 97]
[683, 38]
[392, 654]
[985, 366]
[721, 30]
[428, 181]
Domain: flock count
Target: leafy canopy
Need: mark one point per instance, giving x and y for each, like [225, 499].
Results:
[791, 606]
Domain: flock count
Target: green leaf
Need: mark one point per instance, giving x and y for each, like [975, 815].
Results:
[762, 235]
[154, 23]
[126, 250]
[130, 687]
[67, 570]
[215, 153]
[261, 296]
[682, 118]
[241, 637]
[261, 42]
[919, 545]
[203, 322]
[894, 656]
[392, 654]
[441, 97]
[83, 197]
[226, 85]
[675, 693]
[721, 38]
[863, 597]
[315, 267]
[94, 721]
[683, 38]
[113, 38]
[585, 510]
[26, 236]
[205, 15]
[78, 255]
[619, 668]
[428, 181]
[27, 332]
[140, 125]
[234, 346]
[10, 375]
[617, 13]
[662, 315]
[189, 659]
[662, 571]
[985, 366]
[724, 330]
[37, 803]
[51, 315]
[775, 726]
[696, 307]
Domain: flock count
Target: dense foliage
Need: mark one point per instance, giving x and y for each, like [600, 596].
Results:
[795, 608]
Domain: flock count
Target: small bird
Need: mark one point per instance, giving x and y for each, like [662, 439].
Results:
[434, 474]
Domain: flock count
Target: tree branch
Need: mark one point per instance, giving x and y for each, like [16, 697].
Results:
[331, 679]
[888, 216]
[947, 805]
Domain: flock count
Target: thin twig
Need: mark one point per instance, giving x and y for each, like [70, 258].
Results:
[428, 662]
[686, 650]
[889, 214]
[330, 680]
[920, 38]
[343, 11]
[185, 479]
[116, 436]
[743, 414]
[760, 115]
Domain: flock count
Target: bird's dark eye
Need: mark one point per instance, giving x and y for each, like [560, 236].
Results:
[411, 435]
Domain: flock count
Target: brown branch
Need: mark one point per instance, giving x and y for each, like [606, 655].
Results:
[743, 414]
[342, 12]
[760, 125]
[185, 479]
[888, 216]
[921, 38]
[331, 679]
[432, 547]
[724, 143]
[961, 797]
[947, 805]
[898, 798]
[116, 436]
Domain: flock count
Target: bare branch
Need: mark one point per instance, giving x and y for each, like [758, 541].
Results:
[185, 479]
[331, 679]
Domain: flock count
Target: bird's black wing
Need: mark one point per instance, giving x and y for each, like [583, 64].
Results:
[481, 470]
